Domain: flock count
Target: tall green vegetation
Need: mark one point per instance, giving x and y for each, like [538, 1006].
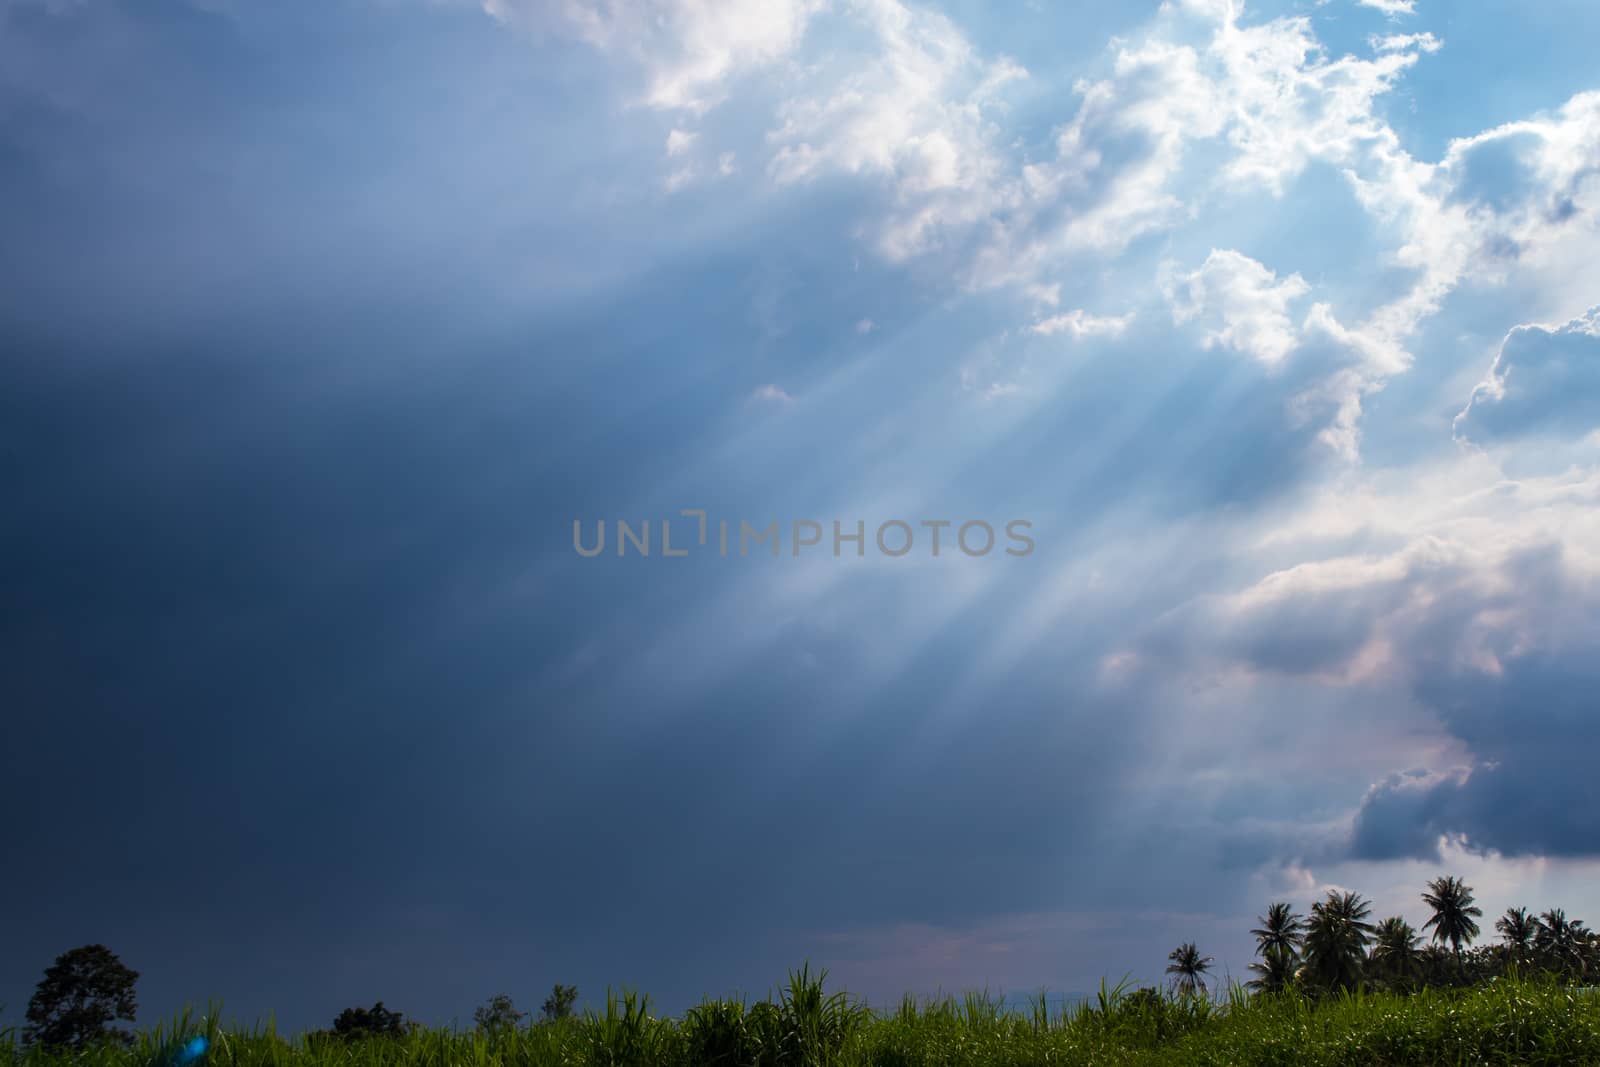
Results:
[1328, 988]
[1532, 1022]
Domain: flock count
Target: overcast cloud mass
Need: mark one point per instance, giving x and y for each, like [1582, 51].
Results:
[321, 323]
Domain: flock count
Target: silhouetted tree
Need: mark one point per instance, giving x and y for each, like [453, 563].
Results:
[1188, 969]
[1337, 935]
[558, 1005]
[376, 1021]
[1517, 931]
[1394, 958]
[1453, 912]
[1561, 943]
[1280, 930]
[498, 1014]
[1275, 972]
[79, 996]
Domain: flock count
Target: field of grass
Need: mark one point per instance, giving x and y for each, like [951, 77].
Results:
[1510, 1021]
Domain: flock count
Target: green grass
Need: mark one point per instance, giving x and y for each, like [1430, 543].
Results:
[1509, 1021]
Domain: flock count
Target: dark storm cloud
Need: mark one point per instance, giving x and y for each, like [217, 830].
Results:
[1531, 725]
[1541, 801]
[1503, 658]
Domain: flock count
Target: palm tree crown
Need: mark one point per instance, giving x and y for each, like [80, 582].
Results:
[1187, 968]
[1394, 938]
[1337, 936]
[1453, 912]
[1279, 931]
[1561, 941]
[1394, 952]
[1517, 929]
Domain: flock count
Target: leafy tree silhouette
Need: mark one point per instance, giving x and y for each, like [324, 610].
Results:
[80, 994]
[376, 1021]
[497, 1014]
[558, 1005]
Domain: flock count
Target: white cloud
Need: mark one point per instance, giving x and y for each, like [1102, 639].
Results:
[1289, 104]
[771, 394]
[679, 141]
[1525, 194]
[1109, 180]
[1080, 324]
[678, 179]
[1392, 8]
[1266, 90]
[688, 169]
[688, 50]
[904, 99]
[1396, 42]
[1529, 183]
[1244, 305]
[910, 108]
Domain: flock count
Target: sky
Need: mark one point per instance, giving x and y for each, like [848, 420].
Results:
[324, 325]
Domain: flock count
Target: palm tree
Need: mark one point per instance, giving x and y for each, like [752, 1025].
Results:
[1280, 931]
[1561, 942]
[1278, 943]
[1275, 972]
[1337, 936]
[1394, 952]
[1187, 969]
[1517, 930]
[1587, 949]
[1453, 912]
